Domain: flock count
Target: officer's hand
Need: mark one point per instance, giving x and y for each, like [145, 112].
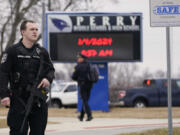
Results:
[44, 83]
[5, 101]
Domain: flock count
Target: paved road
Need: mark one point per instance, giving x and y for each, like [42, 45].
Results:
[101, 126]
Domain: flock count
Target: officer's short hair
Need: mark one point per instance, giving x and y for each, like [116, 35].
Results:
[23, 24]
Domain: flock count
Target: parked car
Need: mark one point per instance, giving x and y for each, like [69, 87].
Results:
[153, 93]
[63, 94]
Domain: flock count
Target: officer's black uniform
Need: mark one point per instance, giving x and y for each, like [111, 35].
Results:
[20, 67]
[80, 75]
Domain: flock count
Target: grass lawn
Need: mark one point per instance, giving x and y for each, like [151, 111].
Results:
[115, 112]
[3, 123]
[121, 112]
[164, 131]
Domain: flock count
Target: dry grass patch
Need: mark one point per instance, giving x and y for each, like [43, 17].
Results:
[120, 112]
[52, 122]
[115, 112]
[3, 123]
[3, 111]
[55, 112]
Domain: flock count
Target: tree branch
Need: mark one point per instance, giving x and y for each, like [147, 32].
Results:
[68, 5]
[3, 32]
[31, 3]
[19, 15]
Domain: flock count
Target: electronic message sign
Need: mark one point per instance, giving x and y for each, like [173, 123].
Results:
[103, 37]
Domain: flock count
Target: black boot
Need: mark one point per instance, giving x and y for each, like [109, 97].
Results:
[89, 118]
[80, 118]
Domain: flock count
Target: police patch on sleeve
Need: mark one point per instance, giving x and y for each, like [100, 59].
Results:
[4, 58]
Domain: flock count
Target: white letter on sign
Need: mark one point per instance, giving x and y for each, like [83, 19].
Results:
[79, 20]
[119, 20]
[133, 20]
[92, 20]
[106, 20]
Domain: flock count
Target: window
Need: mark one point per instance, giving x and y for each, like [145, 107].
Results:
[178, 83]
[165, 84]
[55, 87]
[71, 88]
[174, 83]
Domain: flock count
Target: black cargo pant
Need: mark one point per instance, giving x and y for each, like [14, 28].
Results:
[36, 121]
[85, 92]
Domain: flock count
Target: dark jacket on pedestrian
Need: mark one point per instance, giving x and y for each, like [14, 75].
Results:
[81, 72]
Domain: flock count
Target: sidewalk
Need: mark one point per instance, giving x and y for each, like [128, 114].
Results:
[72, 124]
[67, 124]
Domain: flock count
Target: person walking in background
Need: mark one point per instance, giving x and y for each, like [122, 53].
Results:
[80, 75]
[21, 65]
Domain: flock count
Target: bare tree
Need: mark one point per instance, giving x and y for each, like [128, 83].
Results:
[146, 74]
[160, 74]
[15, 14]
[59, 76]
[123, 74]
[67, 5]
[17, 10]
[70, 69]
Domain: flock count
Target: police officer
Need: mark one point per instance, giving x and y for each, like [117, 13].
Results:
[19, 68]
[80, 75]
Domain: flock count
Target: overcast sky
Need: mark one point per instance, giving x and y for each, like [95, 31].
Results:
[154, 38]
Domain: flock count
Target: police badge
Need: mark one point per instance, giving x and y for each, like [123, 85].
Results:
[38, 51]
[4, 58]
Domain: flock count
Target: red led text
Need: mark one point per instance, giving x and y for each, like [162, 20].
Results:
[94, 41]
[93, 53]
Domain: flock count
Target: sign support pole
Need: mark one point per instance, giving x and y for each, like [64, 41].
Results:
[168, 38]
[159, 9]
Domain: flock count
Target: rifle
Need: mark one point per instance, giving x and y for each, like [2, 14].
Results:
[34, 94]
